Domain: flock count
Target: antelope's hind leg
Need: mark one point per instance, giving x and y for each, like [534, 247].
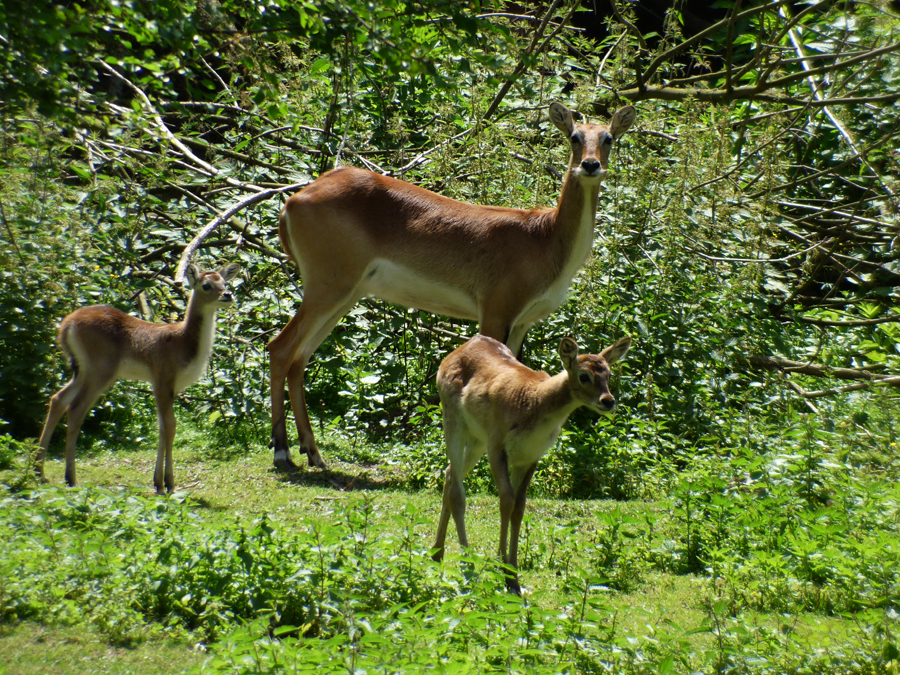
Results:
[289, 354]
[82, 401]
[454, 498]
[59, 404]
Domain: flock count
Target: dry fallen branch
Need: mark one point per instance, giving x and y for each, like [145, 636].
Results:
[886, 382]
[776, 363]
[224, 216]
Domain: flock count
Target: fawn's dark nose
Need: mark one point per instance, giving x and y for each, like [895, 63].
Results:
[590, 165]
[608, 401]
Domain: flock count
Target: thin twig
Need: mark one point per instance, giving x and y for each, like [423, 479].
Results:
[520, 67]
[12, 237]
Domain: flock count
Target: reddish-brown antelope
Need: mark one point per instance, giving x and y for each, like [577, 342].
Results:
[104, 345]
[493, 404]
[354, 233]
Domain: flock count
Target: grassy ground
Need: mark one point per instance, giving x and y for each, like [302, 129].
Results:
[233, 487]
[31, 649]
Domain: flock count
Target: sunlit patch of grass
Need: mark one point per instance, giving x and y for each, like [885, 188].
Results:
[611, 571]
[34, 649]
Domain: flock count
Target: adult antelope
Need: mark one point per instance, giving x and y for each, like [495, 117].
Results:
[354, 233]
[493, 404]
[104, 345]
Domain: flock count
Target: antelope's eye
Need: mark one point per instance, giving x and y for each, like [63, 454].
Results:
[608, 141]
[206, 285]
[575, 138]
[585, 378]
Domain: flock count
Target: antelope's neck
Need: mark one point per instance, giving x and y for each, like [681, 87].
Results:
[555, 399]
[574, 226]
[200, 329]
[577, 205]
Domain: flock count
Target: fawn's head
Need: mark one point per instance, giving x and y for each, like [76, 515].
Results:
[589, 373]
[211, 288]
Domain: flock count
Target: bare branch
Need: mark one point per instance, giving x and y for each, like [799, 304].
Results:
[222, 217]
[886, 382]
[777, 363]
[630, 26]
[174, 140]
[894, 318]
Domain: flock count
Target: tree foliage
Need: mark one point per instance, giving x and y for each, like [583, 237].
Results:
[750, 221]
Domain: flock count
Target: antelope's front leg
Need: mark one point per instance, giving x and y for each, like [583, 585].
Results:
[521, 486]
[500, 469]
[164, 475]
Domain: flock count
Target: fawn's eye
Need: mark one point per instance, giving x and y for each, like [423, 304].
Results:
[608, 141]
[206, 285]
[585, 378]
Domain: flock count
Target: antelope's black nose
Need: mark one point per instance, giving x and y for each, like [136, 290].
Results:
[608, 401]
[590, 165]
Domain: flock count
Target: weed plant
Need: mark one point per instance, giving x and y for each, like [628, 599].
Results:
[783, 542]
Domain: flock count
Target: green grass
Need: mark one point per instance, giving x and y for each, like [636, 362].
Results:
[34, 649]
[331, 569]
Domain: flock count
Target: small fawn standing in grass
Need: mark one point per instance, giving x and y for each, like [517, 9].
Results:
[493, 404]
[104, 345]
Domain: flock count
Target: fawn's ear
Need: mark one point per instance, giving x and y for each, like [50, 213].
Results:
[616, 351]
[192, 276]
[561, 117]
[230, 271]
[568, 353]
[621, 121]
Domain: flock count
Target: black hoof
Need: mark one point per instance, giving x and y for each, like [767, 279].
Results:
[513, 587]
[285, 464]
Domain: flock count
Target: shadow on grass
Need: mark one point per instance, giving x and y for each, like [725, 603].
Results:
[342, 476]
[340, 479]
[204, 503]
[359, 473]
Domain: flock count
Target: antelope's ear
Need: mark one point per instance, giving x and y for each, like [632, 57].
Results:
[192, 276]
[616, 351]
[230, 271]
[561, 117]
[568, 353]
[621, 121]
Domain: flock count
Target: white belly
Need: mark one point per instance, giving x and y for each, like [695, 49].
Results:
[402, 286]
[131, 369]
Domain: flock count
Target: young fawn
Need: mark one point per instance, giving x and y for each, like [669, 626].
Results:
[493, 404]
[104, 345]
